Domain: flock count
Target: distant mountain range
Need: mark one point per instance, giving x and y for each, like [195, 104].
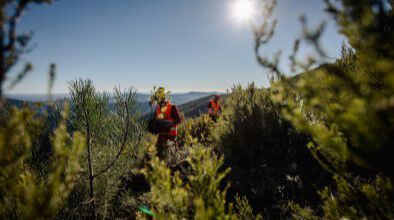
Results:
[192, 104]
[176, 98]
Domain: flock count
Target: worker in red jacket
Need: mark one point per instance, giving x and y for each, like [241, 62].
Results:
[214, 108]
[167, 118]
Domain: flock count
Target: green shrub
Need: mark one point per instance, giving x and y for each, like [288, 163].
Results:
[199, 196]
[345, 128]
[270, 162]
[167, 196]
[346, 107]
[244, 209]
[24, 193]
[196, 130]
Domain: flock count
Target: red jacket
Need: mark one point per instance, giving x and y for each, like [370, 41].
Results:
[214, 107]
[171, 114]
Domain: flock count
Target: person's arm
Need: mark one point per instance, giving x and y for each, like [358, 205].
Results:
[175, 115]
[209, 106]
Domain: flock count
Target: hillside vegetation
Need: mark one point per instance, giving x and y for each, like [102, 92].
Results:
[315, 146]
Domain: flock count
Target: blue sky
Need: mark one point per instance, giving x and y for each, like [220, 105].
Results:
[185, 45]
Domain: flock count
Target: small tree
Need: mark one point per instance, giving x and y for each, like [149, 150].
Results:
[110, 138]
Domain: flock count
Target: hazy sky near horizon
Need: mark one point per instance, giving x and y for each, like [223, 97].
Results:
[185, 45]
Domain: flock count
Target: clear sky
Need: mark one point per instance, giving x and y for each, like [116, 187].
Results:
[185, 45]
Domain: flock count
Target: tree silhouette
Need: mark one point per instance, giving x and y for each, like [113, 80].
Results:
[13, 44]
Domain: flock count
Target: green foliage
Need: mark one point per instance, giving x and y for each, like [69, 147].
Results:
[349, 121]
[346, 203]
[198, 196]
[112, 137]
[41, 150]
[343, 112]
[299, 212]
[204, 182]
[191, 188]
[378, 191]
[23, 193]
[31, 188]
[347, 108]
[168, 198]
[344, 124]
[249, 119]
[244, 209]
[269, 159]
[90, 107]
[197, 130]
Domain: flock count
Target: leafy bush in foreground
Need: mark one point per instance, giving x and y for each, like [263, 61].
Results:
[347, 130]
[24, 193]
[346, 107]
[197, 197]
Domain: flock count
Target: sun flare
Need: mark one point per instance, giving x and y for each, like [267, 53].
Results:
[243, 10]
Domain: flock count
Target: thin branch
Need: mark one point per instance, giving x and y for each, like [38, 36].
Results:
[123, 145]
[12, 24]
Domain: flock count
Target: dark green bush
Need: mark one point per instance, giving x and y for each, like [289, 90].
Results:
[270, 162]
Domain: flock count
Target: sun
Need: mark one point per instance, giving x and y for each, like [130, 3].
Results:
[243, 10]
